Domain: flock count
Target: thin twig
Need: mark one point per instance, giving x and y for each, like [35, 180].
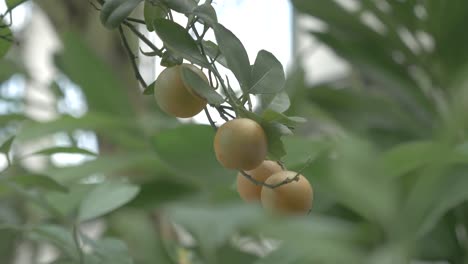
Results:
[285, 181]
[143, 38]
[132, 58]
[212, 123]
[136, 20]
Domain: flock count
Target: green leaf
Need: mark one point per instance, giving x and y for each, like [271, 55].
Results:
[11, 4]
[82, 65]
[302, 149]
[67, 203]
[177, 39]
[407, 157]
[274, 132]
[196, 164]
[181, 6]
[213, 51]
[150, 89]
[8, 68]
[106, 165]
[69, 150]
[290, 121]
[111, 250]
[57, 236]
[235, 54]
[158, 192]
[140, 234]
[200, 86]
[203, 220]
[231, 254]
[278, 102]
[6, 40]
[206, 13]
[170, 59]
[153, 10]
[6, 145]
[105, 198]
[320, 239]
[113, 12]
[267, 74]
[38, 181]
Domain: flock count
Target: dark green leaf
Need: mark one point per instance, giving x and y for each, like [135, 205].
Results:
[5, 40]
[181, 6]
[274, 132]
[196, 164]
[38, 181]
[11, 4]
[170, 59]
[113, 12]
[150, 89]
[105, 198]
[267, 74]
[206, 13]
[200, 86]
[235, 54]
[178, 40]
[70, 150]
[8, 68]
[156, 193]
[153, 10]
[6, 146]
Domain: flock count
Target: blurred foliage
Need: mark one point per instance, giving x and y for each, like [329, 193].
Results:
[388, 144]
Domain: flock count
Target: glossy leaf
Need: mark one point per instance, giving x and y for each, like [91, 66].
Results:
[105, 198]
[235, 54]
[178, 40]
[201, 87]
[113, 12]
[267, 74]
[278, 102]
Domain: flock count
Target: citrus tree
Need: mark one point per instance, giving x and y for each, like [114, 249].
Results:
[366, 169]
